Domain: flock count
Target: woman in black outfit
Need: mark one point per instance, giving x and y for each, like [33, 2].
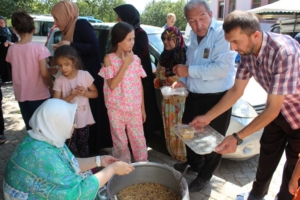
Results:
[80, 34]
[128, 13]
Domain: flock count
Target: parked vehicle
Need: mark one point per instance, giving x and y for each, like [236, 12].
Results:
[43, 24]
[287, 26]
[243, 112]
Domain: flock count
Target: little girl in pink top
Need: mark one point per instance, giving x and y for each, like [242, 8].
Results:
[75, 86]
[30, 77]
[123, 94]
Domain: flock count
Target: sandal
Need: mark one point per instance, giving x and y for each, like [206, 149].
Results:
[2, 139]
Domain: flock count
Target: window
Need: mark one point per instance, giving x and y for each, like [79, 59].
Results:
[231, 5]
[256, 3]
[221, 9]
[272, 1]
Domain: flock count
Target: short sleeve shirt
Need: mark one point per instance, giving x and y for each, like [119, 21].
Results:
[127, 95]
[27, 81]
[276, 69]
[62, 84]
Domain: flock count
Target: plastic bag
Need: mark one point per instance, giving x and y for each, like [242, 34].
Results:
[202, 142]
[167, 91]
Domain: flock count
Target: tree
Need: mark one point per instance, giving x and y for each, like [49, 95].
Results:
[100, 9]
[155, 13]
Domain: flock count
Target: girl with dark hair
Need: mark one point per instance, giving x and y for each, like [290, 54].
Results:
[31, 79]
[172, 108]
[128, 13]
[123, 94]
[75, 86]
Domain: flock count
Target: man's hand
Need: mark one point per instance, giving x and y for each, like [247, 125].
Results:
[181, 70]
[228, 145]
[200, 122]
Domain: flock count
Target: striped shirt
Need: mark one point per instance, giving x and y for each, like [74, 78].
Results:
[276, 69]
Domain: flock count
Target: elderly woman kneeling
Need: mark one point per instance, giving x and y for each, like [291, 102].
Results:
[42, 167]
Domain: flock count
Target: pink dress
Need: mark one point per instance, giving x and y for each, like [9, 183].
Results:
[124, 109]
[84, 115]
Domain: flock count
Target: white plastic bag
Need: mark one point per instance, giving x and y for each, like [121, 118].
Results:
[167, 91]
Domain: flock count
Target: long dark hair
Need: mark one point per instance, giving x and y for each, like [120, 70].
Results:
[69, 52]
[118, 34]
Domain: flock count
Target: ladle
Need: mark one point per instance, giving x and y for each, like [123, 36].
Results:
[183, 173]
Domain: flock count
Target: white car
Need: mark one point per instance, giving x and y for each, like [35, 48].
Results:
[243, 112]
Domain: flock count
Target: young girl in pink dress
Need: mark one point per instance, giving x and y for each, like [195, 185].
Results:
[75, 86]
[30, 77]
[123, 93]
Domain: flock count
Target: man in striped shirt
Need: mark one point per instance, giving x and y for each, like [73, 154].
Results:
[273, 60]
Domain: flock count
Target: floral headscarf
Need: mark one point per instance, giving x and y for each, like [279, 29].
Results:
[4, 31]
[169, 58]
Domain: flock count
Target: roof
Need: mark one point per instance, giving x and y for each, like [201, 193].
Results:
[281, 8]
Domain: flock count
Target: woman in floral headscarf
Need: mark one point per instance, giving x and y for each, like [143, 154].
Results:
[173, 107]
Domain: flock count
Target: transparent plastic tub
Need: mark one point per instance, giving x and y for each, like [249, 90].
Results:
[201, 143]
[167, 91]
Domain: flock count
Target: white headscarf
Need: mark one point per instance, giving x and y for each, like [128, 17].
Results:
[53, 121]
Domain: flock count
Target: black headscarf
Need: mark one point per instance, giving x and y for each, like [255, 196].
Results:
[169, 58]
[5, 31]
[128, 13]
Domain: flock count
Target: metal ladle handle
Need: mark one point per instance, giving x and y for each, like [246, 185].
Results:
[183, 173]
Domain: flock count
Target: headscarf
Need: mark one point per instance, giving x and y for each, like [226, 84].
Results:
[5, 31]
[128, 13]
[66, 12]
[52, 122]
[169, 58]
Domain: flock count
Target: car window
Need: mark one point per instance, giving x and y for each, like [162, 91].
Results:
[37, 26]
[57, 37]
[46, 28]
[155, 40]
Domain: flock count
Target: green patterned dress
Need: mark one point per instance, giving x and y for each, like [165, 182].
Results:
[38, 170]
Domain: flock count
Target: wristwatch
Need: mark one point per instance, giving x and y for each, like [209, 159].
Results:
[239, 140]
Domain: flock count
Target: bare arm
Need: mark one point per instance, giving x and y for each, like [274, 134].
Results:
[45, 74]
[293, 184]
[224, 104]
[271, 111]
[58, 95]
[114, 82]
[112, 166]
[90, 93]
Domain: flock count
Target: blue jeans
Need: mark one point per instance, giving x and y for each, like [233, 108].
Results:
[27, 110]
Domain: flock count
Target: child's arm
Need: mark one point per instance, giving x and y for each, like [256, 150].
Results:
[143, 107]
[45, 74]
[114, 82]
[90, 93]
[58, 95]
[293, 184]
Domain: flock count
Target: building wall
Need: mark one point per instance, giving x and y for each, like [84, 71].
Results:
[241, 5]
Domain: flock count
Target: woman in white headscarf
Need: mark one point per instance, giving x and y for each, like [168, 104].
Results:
[42, 167]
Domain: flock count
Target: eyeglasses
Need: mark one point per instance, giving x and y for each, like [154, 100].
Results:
[167, 38]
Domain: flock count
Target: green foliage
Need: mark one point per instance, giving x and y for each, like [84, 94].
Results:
[156, 12]
[100, 9]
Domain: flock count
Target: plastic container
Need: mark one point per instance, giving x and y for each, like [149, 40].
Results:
[186, 131]
[202, 142]
[167, 91]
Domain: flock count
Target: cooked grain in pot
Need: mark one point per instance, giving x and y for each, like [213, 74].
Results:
[148, 191]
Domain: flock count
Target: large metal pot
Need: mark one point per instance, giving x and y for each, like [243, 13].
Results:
[149, 172]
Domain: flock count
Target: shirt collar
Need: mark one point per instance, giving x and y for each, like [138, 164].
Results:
[263, 45]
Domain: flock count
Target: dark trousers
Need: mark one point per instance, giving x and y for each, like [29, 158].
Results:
[79, 142]
[277, 137]
[199, 104]
[1, 113]
[27, 109]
